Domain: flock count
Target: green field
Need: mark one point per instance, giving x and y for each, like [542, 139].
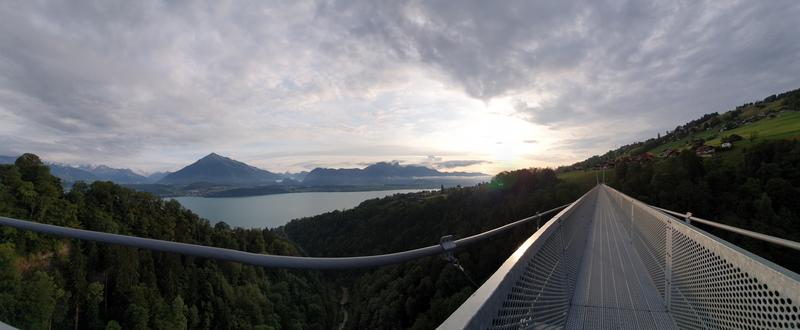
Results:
[785, 125]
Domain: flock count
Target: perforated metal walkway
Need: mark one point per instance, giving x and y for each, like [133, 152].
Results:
[613, 289]
[609, 261]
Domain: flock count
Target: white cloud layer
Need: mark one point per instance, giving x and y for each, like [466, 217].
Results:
[154, 85]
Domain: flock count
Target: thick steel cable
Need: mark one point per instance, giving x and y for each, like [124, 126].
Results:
[263, 260]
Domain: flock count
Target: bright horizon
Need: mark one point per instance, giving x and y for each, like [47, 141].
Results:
[290, 86]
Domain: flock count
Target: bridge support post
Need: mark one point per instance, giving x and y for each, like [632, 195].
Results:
[668, 266]
[630, 228]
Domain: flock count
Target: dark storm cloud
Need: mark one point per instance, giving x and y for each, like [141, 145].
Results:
[583, 60]
[485, 47]
[171, 79]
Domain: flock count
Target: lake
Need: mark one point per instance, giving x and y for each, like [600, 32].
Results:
[278, 209]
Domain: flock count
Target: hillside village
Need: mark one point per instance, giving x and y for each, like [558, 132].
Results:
[723, 135]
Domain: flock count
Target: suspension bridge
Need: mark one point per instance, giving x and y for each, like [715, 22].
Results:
[605, 261]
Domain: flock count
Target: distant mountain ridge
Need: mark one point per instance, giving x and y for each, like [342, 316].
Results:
[217, 169]
[118, 175]
[70, 174]
[89, 173]
[7, 159]
[378, 173]
[156, 176]
[215, 172]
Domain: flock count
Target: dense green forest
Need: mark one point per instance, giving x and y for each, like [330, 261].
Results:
[421, 294]
[760, 193]
[47, 282]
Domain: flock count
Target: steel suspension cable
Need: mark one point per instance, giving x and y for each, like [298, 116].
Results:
[265, 260]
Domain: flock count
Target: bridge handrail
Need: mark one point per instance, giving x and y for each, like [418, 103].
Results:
[265, 260]
[484, 305]
[700, 280]
[767, 238]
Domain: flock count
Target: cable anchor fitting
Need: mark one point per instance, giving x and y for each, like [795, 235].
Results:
[448, 244]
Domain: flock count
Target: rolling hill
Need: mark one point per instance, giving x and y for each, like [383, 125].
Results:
[777, 117]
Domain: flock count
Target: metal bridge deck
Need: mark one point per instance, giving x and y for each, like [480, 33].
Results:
[609, 261]
[613, 288]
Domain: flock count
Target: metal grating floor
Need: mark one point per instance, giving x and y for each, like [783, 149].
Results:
[613, 288]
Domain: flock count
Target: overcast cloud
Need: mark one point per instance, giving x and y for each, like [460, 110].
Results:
[154, 85]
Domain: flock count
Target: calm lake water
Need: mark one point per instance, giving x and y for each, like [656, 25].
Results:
[276, 210]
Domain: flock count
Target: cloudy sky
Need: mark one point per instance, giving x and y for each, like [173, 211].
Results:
[462, 85]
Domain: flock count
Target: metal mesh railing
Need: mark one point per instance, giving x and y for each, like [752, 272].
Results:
[533, 288]
[699, 280]
[708, 283]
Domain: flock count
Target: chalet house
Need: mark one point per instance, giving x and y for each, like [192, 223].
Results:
[645, 157]
[704, 151]
[668, 153]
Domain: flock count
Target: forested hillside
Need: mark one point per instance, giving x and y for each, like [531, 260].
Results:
[752, 182]
[52, 283]
[776, 117]
[421, 294]
[760, 193]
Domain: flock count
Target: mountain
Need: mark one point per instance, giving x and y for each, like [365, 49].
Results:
[220, 170]
[380, 173]
[117, 175]
[299, 176]
[7, 159]
[88, 173]
[71, 174]
[156, 176]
